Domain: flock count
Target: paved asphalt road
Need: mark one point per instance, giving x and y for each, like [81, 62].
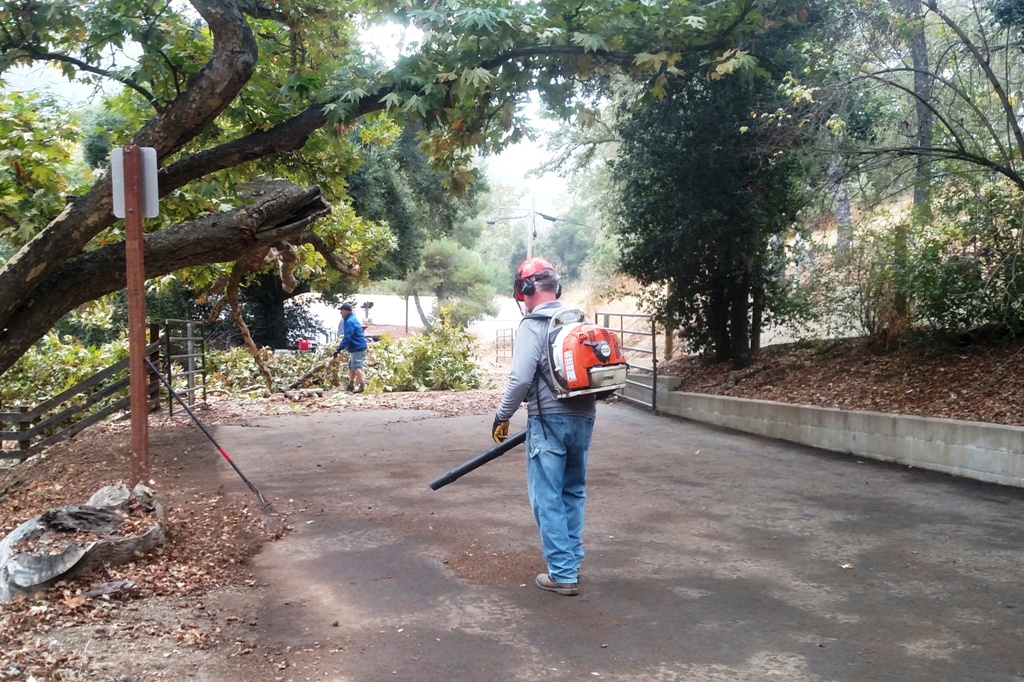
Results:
[710, 556]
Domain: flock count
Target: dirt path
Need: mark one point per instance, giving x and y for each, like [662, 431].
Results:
[710, 556]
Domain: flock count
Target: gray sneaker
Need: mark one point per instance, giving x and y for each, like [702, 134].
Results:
[545, 582]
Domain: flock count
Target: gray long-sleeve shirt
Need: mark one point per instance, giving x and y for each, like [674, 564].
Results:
[528, 354]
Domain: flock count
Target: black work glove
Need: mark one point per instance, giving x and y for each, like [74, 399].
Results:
[336, 353]
[499, 431]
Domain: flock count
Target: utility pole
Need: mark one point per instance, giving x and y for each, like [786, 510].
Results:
[532, 228]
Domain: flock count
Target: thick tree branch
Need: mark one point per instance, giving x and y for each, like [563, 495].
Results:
[229, 67]
[275, 210]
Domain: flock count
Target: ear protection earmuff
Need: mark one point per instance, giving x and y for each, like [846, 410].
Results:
[527, 287]
[524, 285]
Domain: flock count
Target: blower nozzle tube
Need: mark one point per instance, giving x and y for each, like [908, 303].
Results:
[478, 461]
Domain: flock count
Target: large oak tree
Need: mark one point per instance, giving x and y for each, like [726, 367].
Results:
[234, 93]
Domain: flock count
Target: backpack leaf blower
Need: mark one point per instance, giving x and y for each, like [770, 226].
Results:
[582, 357]
[478, 461]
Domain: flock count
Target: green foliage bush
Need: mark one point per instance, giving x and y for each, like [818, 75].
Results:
[962, 271]
[440, 360]
[855, 292]
[54, 364]
[967, 265]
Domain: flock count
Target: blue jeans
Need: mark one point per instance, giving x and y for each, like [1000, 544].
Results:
[556, 476]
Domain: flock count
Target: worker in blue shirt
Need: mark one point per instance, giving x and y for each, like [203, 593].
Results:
[352, 340]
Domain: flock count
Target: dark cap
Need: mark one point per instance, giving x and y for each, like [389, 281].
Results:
[346, 306]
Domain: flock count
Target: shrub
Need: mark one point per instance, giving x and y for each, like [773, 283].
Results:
[856, 291]
[53, 364]
[966, 272]
[440, 360]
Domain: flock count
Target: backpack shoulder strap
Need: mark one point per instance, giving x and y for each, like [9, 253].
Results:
[540, 373]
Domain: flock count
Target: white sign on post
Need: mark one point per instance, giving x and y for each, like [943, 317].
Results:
[150, 190]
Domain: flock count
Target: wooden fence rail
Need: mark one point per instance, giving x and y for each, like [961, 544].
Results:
[65, 414]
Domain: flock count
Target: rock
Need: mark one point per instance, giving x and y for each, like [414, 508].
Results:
[115, 496]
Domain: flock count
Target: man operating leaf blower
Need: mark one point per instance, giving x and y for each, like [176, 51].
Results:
[558, 430]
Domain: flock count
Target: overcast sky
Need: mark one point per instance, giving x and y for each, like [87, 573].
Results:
[45, 78]
[511, 167]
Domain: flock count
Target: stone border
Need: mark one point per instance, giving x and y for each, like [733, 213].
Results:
[987, 452]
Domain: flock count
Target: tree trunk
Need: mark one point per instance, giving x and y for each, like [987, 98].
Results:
[923, 133]
[419, 309]
[670, 327]
[925, 117]
[276, 210]
[718, 318]
[756, 317]
[739, 326]
[265, 298]
[841, 206]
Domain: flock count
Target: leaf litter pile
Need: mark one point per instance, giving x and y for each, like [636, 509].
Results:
[210, 537]
[154, 606]
[980, 382]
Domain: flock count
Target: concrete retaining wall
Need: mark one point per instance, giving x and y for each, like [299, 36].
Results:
[986, 452]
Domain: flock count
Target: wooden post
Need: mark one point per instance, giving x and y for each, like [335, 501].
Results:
[24, 425]
[136, 272]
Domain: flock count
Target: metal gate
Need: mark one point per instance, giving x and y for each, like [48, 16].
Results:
[636, 342]
[504, 340]
[186, 357]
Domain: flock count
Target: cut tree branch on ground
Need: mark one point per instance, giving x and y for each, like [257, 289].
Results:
[319, 367]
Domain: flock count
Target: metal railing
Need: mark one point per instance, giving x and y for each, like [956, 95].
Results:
[185, 350]
[626, 336]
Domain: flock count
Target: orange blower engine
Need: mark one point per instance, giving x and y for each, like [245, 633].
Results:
[583, 357]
